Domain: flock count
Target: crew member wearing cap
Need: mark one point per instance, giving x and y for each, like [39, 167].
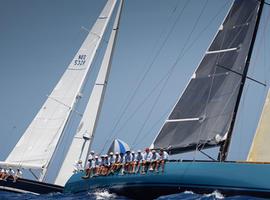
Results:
[5, 174]
[154, 161]
[111, 162]
[127, 161]
[91, 155]
[89, 165]
[137, 161]
[146, 160]
[164, 156]
[133, 162]
[105, 165]
[78, 166]
[96, 166]
[121, 162]
[18, 174]
[117, 164]
[102, 164]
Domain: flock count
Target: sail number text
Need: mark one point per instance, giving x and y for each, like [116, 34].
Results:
[81, 60]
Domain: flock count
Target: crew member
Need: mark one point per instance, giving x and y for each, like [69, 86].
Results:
[146, 160]
[164, 156]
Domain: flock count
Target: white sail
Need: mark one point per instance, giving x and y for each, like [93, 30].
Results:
[81, 143]
[37, 145]
[259, 151]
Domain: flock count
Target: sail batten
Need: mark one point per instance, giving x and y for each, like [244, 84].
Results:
[182, 120]
[37, 145]
[213, 90]
[222, 50]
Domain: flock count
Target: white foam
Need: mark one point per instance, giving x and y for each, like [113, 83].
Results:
[216, 194]
[101, 195]
[188, 192]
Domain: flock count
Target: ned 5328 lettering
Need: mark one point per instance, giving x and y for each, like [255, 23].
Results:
[81, 60]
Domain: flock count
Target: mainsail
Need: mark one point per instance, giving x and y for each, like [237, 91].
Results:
[259, 151]
[202, 116]
[81, 142]
[37, 145]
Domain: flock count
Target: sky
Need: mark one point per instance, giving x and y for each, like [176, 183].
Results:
[39, 38]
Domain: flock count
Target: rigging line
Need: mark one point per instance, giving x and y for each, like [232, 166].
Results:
[208, 156]
[189, 47]
[141, 104]
[172, 69]
[151, 64]
[151, 110]
[240, 74]
[240, 120]
[154, 58]
[262, 42]
[155, 124]
[205, 28]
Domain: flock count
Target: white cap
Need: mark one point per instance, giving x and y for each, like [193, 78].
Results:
[111, 153]
[96, 157]
[139, 151]
[105, 155]
[92, 152]
[133, 152]
[116, 153]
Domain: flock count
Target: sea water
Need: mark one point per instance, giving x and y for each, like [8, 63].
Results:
[105, 195]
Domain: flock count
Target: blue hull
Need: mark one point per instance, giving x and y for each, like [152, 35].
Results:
[230, 178]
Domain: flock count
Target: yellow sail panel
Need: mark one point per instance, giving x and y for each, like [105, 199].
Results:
[260, 148]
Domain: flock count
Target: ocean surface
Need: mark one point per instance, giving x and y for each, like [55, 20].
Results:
[104, 195]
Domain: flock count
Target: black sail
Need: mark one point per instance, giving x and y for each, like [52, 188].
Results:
[202, 116]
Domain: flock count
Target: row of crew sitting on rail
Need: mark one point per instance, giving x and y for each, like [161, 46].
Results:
[9, 173]
[125, 163]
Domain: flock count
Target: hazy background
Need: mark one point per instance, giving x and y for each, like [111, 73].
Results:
[38, 39]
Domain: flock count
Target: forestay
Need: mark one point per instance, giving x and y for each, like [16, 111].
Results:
[259, 151]
[38, 143]
[79, 148]
[202, 116]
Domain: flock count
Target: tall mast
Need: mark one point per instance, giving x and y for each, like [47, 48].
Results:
[81, 143]
[223, 153]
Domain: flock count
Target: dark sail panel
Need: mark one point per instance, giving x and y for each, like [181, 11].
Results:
[203, 114]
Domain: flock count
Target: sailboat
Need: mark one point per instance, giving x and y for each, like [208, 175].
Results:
[203, 117]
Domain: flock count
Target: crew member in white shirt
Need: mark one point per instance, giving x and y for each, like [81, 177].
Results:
[138, 160]
[146, 160]
[164, 156]
[154, 161]
[127, 161]
[78, 166]
[111, 160]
